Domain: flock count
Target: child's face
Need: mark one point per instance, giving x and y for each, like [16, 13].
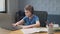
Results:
[28, 13]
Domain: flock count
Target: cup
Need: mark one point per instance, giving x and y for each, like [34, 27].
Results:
[50, 28]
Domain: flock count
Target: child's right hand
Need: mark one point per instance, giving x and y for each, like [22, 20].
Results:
[14, 25]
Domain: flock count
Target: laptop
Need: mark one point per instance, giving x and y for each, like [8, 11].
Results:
[10, 27]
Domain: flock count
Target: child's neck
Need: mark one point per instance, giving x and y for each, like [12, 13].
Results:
[31, 17]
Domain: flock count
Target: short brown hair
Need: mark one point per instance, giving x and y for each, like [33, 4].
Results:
[30, 8]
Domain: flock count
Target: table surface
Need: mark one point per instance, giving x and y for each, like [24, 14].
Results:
[20, 32]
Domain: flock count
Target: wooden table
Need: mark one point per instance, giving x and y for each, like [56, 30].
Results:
[16, 32]
[4, 31]
[20, 32]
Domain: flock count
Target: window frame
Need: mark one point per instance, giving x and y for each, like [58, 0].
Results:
[5, 7]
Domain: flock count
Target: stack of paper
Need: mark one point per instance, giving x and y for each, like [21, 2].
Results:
[33, 30]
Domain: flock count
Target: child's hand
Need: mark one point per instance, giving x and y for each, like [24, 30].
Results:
[24, 27]
[14, 25]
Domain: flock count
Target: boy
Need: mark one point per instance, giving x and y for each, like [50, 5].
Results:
[30, 20]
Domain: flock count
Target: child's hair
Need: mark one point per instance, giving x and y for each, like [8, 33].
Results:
[30, 8]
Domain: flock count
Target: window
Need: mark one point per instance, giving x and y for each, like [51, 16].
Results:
[3, 6]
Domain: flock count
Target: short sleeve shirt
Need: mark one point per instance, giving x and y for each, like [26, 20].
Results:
[30, 21]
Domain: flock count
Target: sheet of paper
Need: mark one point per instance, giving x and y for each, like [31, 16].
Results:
[55, 25]
[33, 30]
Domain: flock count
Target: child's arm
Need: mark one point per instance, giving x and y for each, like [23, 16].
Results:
[33, 25]
[19, 22]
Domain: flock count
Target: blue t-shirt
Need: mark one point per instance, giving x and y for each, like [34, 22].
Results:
[30, 21]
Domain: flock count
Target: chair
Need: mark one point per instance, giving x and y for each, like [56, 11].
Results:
[42, 17]
[19, 15]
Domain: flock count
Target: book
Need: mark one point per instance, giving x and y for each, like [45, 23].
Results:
[33, 30]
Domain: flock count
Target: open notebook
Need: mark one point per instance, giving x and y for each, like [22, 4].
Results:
[33, 30]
